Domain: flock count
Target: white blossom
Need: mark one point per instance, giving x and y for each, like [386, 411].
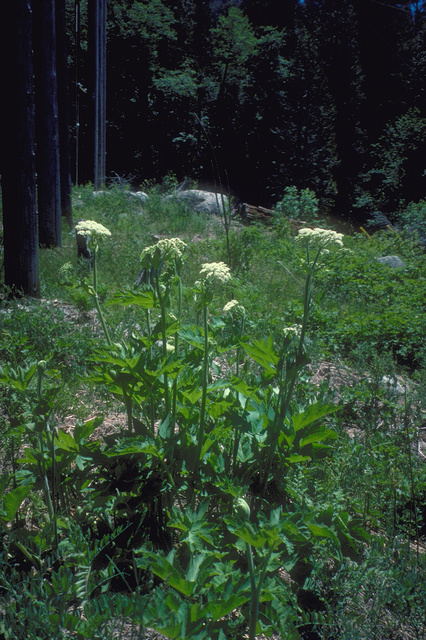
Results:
[294, 330]
[235, 307]
[167, 249]
[92, 229]
[321, 237]
[212, 272]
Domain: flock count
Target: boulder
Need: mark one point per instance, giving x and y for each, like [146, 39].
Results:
[392, 261]
[201, 201]
[140, 195]
[393, 385]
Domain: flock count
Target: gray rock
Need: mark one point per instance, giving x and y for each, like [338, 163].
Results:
[392, 261]
[140, 195]
[392, 385]
[201, 201]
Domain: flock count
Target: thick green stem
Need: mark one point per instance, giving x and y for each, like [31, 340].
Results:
[287, 383]
[174, 401]
[254, 600]
[41, 464]
[162, 303]
[203, 394]
[151, 399]
[98, 306]
[129, 408]
[255, 589]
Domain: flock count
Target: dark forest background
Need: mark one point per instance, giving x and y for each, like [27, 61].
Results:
[327, 95]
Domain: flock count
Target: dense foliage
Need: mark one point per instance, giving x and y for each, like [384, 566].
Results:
[215, 452]
[327, 95]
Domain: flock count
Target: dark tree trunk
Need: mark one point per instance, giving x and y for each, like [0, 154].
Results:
[18, 173]
[63, 111]
[47, 124]
[77, 25]
[97, 61]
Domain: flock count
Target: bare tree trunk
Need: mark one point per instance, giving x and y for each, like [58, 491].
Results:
[97, 61]
[18, 172]
[47, 124]
[63, 111]
[77, 20]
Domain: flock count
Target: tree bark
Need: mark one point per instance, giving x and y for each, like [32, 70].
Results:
[97, 61]
[63, 111]
[47, 124]
[18, 171]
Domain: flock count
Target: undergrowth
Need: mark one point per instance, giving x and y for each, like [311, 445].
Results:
[173, 456]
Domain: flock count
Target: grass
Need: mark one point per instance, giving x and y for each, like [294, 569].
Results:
[105, 517]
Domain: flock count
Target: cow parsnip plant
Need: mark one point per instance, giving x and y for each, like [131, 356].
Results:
[152, 502]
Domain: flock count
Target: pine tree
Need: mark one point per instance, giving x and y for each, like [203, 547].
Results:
[47, 124]
[17, 167]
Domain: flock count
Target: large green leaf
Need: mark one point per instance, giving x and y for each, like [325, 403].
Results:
[13, 500]
[322, 531]
[144, 299]
[66, 442]
[222, 608]
[263, 353]
[318, 436]
[85, 429]
[312, 413]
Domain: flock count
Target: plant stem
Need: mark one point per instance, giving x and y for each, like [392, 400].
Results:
[176, 353]
[203, 393]
[254, 600]
[151, 400]
[288, 381]
[255, 589]
[98, 306]
[162, 303]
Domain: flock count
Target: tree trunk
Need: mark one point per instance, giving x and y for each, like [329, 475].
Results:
[18, 173]
[97, 61]
[47, 125]
[63, 111]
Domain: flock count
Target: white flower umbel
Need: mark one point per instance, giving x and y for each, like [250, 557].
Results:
[168, 249]
[93, 230]
[215, 272]
[320, 237]
[234, 307]
[294, 330]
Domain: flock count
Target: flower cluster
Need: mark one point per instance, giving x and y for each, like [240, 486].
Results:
[234, 307]
[166, 249]
[215, 272]
[293, 330]
[321, 237]
[91, 229]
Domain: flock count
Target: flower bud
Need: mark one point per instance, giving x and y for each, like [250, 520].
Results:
[242, 509]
